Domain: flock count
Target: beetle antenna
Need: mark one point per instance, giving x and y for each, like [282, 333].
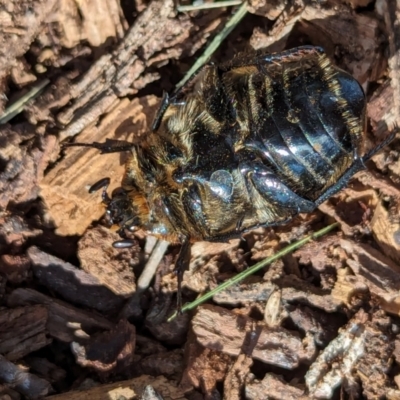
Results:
[109, 146]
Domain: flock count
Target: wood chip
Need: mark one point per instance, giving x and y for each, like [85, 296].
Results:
[65, 322]
[22, 331]
[129, 389]
[21, 22]
[64, 189]
[112, 267]
[275, 386]
[379, 273]
[71, 283]
[108, 351]
[204, 367]
[218, 329]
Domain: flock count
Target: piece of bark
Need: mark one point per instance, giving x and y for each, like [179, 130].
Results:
[245, 293]
[157, 35]
[390, 11]
[204, 368]
[21, 22]
[379, 273]
[319, 254]
[20, 73]
[23, 164]
[381, 112]
[374, 366]
[352, 208]
[218, 329]
[65, 322]
[276, 388]
[64, 189]
[362, 345]
[385, 226]
[350, 290]
[22, 331]
[322, 326]
[71, 283]
[129, 389]
[166, 363]
[392, 394]
[268, 9]
[298, 290]
[334, 27]
[108, 351]
[204, 262]
[46, 369]
[236, 377]
[112, 267]
[15, 231]
[93, 21]
[14, 267]
[23, 382]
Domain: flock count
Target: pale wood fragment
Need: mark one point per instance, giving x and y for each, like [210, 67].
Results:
[378, 272]
[64, 189]
[385, 226]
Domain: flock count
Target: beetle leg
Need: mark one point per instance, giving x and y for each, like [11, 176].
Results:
[275, 191]
[358, 165]
[181, 264]
[165, 102]
[390, 138]
[109, 146]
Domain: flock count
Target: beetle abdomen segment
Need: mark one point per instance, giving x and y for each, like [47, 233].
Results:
[305, 120]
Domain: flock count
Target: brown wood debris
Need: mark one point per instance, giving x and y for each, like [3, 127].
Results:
[21, 22]
[23, 330]
[120, 345]
[64, 190]
[129, 389]
[276, 387]
[80, 319]
[72, 283]
[217, 328]
[65, 322]
[112, 267]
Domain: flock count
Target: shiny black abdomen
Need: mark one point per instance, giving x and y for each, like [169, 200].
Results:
[303, 123]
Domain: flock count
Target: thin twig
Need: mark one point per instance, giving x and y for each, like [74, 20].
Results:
[19, 105]
[250, 271]
[207, 6]
[213, 46]
[151, 265]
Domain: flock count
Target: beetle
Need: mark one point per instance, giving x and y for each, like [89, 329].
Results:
[245, 144]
